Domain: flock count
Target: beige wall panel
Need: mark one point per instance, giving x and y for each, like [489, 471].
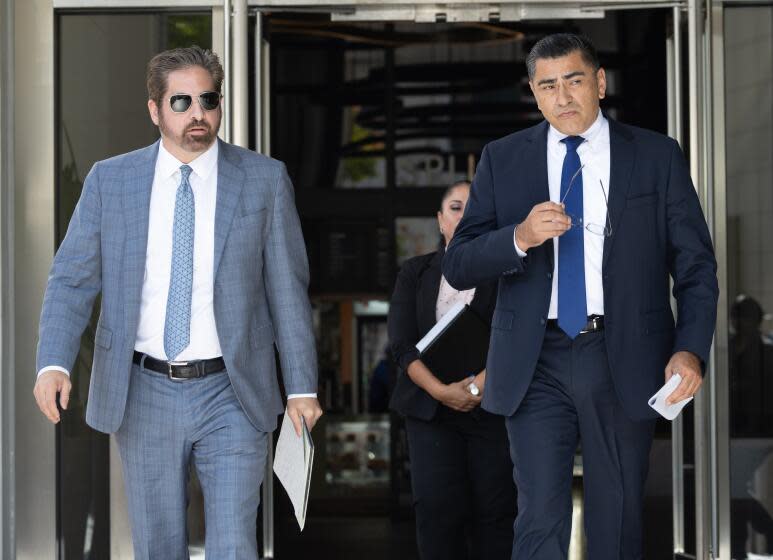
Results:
[35, 521]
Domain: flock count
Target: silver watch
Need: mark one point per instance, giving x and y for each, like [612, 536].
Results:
[473, 389]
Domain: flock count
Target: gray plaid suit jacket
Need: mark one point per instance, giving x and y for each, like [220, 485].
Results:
[260, 286]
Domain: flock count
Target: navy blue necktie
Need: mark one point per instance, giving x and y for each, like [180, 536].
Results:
[572, 307]
[177, 327]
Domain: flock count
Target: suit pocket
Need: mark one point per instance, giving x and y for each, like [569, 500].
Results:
[502, 320]
[252, 218]
[262, 336]
[658, 321]
[641, 200]
[103, 337]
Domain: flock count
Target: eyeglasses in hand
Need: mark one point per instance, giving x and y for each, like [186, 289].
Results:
[596, 229]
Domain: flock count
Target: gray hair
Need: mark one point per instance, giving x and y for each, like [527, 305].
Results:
[161, 65]
[561, 44]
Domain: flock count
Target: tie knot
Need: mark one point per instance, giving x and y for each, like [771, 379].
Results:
[186, 171]
[572, 142]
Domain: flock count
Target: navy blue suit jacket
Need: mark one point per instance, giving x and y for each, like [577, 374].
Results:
[658, 230]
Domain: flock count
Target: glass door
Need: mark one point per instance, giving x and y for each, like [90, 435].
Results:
[379, 109]
[747, 339]
[406, 130]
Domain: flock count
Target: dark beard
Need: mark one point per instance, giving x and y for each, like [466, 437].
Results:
[190, 143]
[197, 143]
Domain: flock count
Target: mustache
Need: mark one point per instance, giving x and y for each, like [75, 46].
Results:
[198, 124]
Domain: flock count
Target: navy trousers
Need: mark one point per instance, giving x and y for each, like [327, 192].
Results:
[170, 426]
[571, 400]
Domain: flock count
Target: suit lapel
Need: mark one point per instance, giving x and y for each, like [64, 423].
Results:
[230, 181]
[622, 155]
[535, 161]
[136, 208]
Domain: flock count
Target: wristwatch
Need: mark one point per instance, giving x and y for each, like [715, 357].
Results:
[473, 389]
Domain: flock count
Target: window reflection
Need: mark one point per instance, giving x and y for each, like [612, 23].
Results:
[751, 370]
[749, 86]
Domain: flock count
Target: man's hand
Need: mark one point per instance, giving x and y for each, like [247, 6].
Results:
[307, 407]
[49, 384]
[545, 221]
[457, 397]
[688, 365]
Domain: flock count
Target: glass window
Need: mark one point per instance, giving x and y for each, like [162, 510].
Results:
[749, 129]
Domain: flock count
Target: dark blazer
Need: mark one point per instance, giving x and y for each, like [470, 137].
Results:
[658, 229]
[411, 316]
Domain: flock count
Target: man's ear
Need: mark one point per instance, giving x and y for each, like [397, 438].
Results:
[601, 78]
[153, 110]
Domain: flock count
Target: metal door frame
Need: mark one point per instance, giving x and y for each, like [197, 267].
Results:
[7, 385]
[706, 134]
[706, 142]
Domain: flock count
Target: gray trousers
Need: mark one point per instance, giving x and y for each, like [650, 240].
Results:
[169, 426]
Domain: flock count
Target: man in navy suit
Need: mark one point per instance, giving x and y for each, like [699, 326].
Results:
[583, 219]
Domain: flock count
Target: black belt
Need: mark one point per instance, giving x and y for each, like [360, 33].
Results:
[595, 323]
[180, 370]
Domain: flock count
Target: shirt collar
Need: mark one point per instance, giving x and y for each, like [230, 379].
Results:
[591, 135]
[167, 165]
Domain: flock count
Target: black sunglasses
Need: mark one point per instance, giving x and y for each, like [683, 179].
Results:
[181, 102]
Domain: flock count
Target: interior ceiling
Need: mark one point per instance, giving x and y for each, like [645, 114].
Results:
[432, 95]
[405, 34]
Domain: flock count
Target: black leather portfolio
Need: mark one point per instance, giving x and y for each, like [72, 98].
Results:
[456, 347]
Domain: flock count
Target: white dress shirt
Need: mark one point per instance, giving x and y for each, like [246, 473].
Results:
[204, 342]
[594, 156]
[448, 296]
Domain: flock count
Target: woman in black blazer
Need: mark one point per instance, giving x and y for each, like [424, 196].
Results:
[461, 471]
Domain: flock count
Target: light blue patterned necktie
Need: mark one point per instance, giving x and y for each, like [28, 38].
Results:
[572, 310]
[177, 326]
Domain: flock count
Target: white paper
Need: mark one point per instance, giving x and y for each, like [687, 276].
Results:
[293, 462]
[440, 326]
[658, 400]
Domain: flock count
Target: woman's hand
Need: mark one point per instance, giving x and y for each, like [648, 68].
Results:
[480, 381]
[457, 397]
[454, 395]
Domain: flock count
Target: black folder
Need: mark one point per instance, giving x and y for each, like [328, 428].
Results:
[457, 345]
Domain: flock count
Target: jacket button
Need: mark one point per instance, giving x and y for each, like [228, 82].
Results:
[542, 321]
[550, 275]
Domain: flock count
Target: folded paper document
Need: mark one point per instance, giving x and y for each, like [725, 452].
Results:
[292, 465]
[658, 400]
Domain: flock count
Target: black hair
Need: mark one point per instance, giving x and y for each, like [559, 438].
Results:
[448, 190]
[561, 44]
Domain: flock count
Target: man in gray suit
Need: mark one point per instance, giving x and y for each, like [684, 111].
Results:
[196, 248]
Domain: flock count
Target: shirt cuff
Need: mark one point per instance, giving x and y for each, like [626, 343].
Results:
[302, 395]
[54, 368]
[521, 254]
